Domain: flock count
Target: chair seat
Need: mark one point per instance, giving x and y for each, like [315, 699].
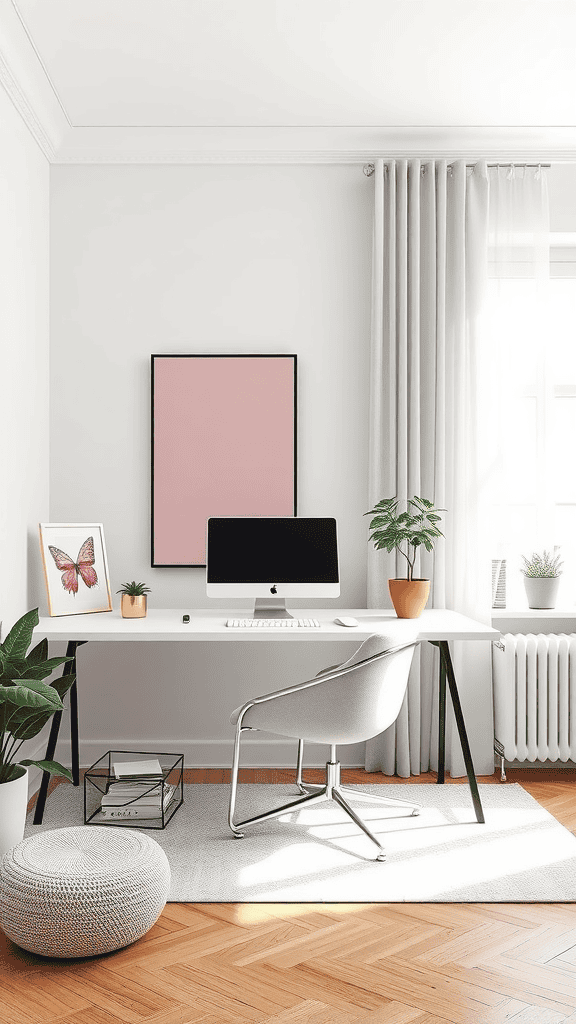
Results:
[370, 647]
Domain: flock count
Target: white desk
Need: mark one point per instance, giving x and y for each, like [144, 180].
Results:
[437, 626]
[210, 624]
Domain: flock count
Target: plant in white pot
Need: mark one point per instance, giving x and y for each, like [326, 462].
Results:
[406, 532]
[26, 704]
[541, 578]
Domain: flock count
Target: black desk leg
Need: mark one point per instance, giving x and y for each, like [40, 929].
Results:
[447, 671]
[69, 668]
[441, 721]
[74, 732]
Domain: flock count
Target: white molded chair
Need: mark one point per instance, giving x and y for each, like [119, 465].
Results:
[346, 704]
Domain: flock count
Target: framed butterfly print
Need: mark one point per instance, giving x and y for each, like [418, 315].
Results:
[75, 568]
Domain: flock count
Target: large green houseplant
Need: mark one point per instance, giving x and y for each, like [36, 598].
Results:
[26, 705]
[406, 531]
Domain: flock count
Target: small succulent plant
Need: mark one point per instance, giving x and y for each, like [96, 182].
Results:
[546, 564]
[134, 589]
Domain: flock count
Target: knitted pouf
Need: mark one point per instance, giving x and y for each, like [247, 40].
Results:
[82, 891]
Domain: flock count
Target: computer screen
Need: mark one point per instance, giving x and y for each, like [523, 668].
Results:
[263, 557]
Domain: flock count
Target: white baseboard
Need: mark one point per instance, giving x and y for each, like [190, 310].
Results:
[255, 753]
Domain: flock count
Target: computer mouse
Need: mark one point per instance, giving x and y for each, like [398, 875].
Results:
[346, 620]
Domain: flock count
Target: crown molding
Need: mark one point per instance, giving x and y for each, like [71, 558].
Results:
[25, 109]
[30, 90]
[27, 86]
[312, 145]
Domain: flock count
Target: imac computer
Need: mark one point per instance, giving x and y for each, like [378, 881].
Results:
[271, 559]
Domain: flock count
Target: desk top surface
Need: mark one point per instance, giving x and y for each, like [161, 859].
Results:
[210, 624]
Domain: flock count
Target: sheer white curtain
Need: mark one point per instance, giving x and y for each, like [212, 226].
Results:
[520, 344]
[519, 222]
[430, 272]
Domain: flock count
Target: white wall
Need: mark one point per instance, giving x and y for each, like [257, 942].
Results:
[24, 340]
[24, 386]
[202, 259]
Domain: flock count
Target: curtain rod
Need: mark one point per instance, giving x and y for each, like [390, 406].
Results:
[369, 168]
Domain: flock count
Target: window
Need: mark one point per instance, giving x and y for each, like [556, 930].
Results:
[533, 501]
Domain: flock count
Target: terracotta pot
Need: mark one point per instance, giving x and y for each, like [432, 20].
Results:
[409, 597]
[133, 607]
[13, 801]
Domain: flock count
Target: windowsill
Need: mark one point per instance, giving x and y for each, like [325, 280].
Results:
[500, 616]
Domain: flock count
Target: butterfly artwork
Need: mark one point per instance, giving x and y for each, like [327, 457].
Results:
[71, 570]
[76, 584]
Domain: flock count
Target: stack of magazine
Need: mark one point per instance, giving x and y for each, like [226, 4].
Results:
[138, 790]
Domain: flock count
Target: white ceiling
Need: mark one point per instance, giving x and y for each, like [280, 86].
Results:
[119, 71]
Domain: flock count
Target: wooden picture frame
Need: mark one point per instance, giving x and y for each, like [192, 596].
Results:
[223, 444]
[75, 568]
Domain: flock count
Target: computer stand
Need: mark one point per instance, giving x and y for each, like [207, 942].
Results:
[271, 608]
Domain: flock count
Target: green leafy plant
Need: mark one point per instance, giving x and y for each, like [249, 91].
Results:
[406, 531]
[134, 589]
[26, 702]
[545, 564]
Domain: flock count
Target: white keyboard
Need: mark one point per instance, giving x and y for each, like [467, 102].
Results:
[273, 623]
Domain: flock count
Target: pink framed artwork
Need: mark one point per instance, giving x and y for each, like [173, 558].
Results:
[223, 444]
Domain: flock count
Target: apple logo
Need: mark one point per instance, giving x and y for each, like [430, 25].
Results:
[273, 589]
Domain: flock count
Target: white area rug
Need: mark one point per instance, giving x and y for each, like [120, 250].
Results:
[521, 854]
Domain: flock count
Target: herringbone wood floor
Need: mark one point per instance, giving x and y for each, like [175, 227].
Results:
[322, 964]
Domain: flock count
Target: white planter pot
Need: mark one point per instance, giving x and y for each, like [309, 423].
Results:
[541, 591]
[13, 803]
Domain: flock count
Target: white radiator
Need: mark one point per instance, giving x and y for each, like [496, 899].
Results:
[535, 696]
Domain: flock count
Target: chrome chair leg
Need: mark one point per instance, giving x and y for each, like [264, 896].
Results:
[234, 781]
[236, 826]
[309, 800]
[337, 796]
[299, 760]
[305, 787]
[386, 800]
[332, 790]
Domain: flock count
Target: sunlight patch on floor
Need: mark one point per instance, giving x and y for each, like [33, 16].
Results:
[257, 913]
[434, 853]
[295, 860]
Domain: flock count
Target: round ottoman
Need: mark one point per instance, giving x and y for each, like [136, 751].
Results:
[82, 891]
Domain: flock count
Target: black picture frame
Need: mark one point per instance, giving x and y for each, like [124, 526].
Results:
[288, 428]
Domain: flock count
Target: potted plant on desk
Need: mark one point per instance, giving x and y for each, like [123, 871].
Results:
[26, 704]
[133, 600]
[406, 532]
